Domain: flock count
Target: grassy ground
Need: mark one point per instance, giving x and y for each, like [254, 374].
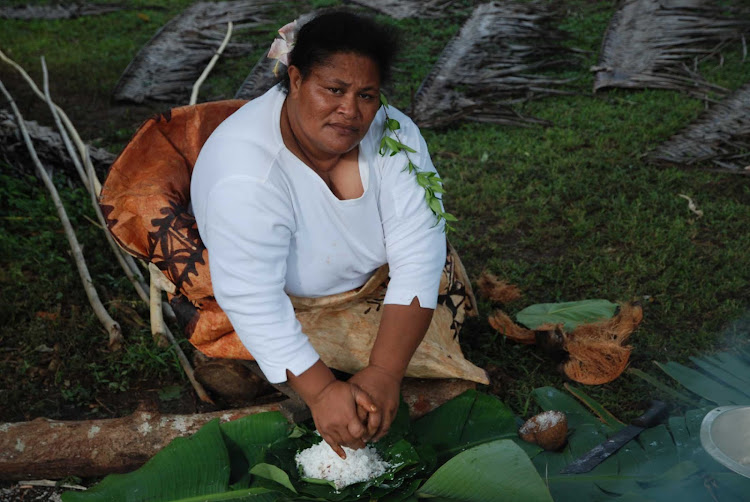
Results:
[566, 212]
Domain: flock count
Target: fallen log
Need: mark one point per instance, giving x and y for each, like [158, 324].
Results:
[55, 449]
[44, 448]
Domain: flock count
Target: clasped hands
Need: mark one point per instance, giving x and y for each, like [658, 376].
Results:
[357, 411]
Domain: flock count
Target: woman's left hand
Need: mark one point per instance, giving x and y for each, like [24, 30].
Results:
[384, 387]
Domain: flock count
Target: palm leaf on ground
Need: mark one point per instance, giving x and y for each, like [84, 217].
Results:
[721, 136]
[496, 60]
[657, 44]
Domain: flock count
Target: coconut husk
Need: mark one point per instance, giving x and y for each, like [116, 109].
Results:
[658, 44]
[720, 136]
[593, 354]
[616, 329]
[168, 65]
[494, 63]
[595, 362]
[505, 326]
[497, 290]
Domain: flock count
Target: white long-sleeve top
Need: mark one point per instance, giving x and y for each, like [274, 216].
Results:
[272, 226]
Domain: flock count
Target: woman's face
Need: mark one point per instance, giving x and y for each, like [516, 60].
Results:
[333, 107]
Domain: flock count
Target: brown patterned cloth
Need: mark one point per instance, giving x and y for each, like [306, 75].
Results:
[145, 201]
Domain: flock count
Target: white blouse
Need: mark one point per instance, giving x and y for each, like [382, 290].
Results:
[272, 226]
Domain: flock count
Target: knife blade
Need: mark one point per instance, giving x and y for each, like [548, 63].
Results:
[656, 412]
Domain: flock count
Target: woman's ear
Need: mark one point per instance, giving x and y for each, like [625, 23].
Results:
[295, 79]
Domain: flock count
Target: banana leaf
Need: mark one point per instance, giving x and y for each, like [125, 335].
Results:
[664, 461]
[570, 314]
[491, 472]
[467, 420]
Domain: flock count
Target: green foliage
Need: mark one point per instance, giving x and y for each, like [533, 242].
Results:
[254, 456]
[569, 314]
[429, 181]
[492, 472]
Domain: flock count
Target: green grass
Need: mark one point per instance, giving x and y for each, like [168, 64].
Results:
[566, 212]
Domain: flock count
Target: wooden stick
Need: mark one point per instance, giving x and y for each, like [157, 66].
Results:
[162, 335]
[158, 327]
[115, 334]
[88, 178]
[63, 116]
[65, 137]
[209, 67]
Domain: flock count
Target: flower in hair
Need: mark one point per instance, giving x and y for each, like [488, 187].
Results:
[281, 47]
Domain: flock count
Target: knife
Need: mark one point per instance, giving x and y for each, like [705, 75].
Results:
[656, 412]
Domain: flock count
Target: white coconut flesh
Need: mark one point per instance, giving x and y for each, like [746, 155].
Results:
[321, 462]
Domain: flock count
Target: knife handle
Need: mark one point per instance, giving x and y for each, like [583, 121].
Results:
[656, 412]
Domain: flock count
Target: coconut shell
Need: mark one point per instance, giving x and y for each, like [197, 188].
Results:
[548, 430]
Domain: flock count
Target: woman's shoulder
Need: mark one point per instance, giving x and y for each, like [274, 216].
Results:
[246, 144]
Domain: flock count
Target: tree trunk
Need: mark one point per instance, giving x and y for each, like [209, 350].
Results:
[54, 449]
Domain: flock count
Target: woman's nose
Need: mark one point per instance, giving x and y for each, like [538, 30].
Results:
[348, 106]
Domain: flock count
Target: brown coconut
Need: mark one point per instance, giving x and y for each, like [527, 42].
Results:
[548, 430]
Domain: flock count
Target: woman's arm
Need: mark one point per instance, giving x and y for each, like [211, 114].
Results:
[415, 247]
[402, 328]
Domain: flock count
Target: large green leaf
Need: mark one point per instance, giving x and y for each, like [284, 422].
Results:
[187, 467]
[467, 420]
[491, 472]
[710, 389]
[249, 438]
[570, 314]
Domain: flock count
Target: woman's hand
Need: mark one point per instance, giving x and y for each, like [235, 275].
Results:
[334, 411]
[384, 388]
[334, 406]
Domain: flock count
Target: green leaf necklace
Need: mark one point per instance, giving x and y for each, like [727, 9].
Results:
[428, 180]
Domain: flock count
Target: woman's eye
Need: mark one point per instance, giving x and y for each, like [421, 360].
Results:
[366, 96]
[335, 90]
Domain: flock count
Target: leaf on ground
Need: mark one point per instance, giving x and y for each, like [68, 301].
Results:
[570, 314]
[490, 472]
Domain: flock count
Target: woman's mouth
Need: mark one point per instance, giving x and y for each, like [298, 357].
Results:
[344, 129]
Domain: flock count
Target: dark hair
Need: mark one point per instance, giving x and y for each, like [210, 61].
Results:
[340, 31]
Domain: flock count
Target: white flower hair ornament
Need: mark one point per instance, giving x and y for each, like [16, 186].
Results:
[281, 47]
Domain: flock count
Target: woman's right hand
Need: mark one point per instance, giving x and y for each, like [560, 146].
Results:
[333, 405]
[334, 411]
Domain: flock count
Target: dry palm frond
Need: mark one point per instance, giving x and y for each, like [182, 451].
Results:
[494, 289]
[658, 44]
[68, 11]
[259, 80]
[166, 67]
[492, 64]
[403, 9]
[49, 147]
[721, 135]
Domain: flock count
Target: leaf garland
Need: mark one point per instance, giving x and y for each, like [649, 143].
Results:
[428, 180]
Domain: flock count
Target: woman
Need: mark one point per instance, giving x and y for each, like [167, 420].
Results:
[292, 196]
